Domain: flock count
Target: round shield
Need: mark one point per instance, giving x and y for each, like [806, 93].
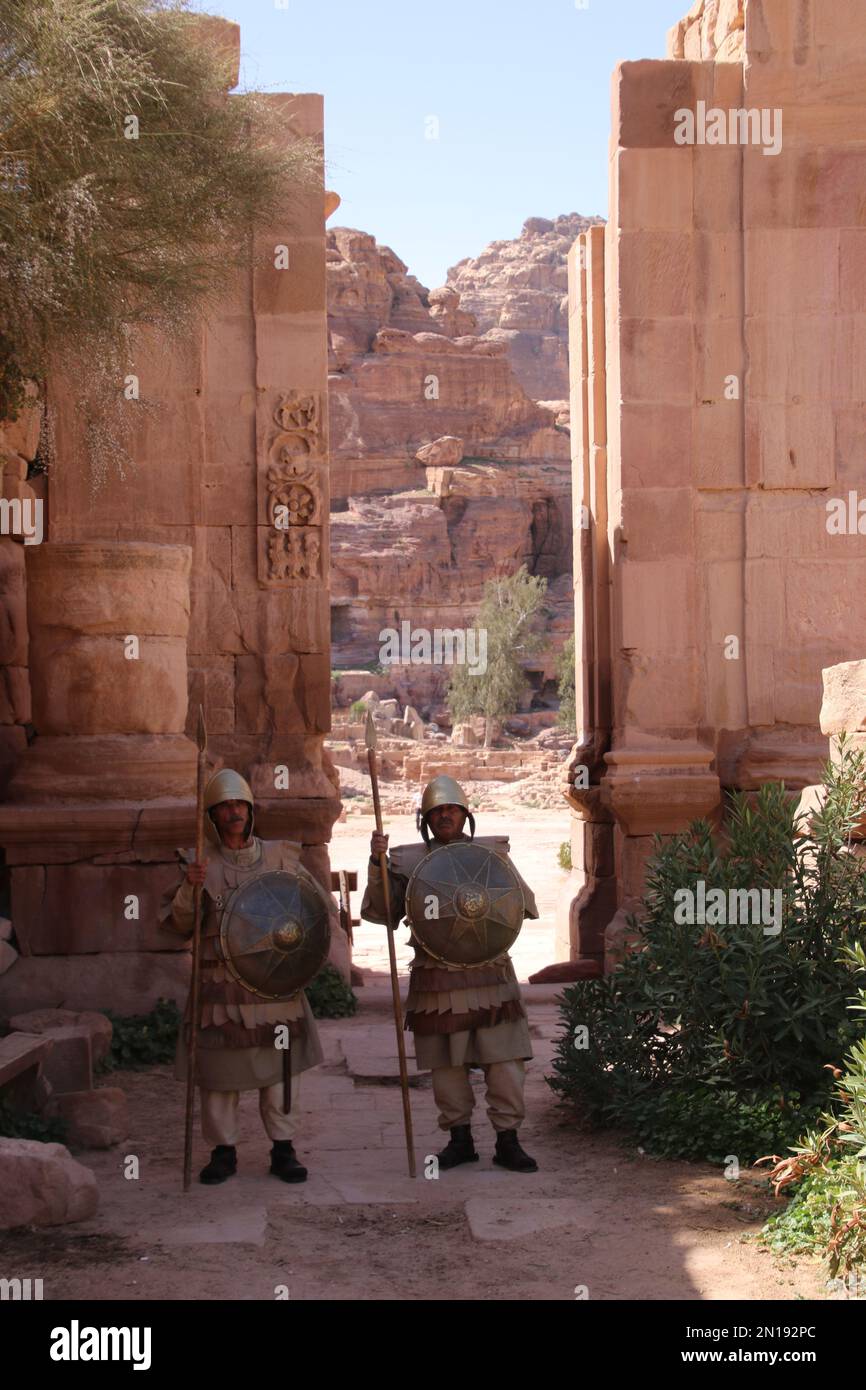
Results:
[275, 933]
[464, 904]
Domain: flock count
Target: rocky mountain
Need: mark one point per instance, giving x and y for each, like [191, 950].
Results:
[444, 472]
[518, 292]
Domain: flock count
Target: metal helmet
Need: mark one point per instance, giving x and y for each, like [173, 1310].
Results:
[226, 785]
[443, 791]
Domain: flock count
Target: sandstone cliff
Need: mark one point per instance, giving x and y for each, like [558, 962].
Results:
[518, 291]
[444, 473]
[712, 29]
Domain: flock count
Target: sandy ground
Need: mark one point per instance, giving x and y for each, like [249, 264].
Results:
[597, 1216]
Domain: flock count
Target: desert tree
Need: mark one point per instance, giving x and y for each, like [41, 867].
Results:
[130, 182]
[510, 615]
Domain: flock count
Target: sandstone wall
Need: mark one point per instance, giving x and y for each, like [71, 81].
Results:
[199, 577]
[19, 444]
[731, 380]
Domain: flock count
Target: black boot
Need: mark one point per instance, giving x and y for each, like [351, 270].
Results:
[223, 1164]
[459, 1149]
[509, 1154]
[284, 1164]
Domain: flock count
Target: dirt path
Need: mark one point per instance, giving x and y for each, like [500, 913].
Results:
[596, 1215]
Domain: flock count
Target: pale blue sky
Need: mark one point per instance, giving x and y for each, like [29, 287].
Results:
[521, 92]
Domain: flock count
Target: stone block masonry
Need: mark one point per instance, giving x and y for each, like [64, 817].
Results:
[199, 578]
[718, 359]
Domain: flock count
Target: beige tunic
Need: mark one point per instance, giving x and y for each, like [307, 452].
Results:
[458, 1016]
[235, 1049]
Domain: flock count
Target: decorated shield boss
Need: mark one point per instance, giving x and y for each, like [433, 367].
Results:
[464, 904]
[275, 933]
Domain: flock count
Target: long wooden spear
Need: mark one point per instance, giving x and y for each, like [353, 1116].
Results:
[194, 1008]
[370, 738]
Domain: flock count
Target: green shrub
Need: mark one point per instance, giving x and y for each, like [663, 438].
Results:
[358, 710]
[567, 717]
[143, 1040]
[564, 856]
[28, 1124]
[727, 1015]
[827, 1170]
[330, 996]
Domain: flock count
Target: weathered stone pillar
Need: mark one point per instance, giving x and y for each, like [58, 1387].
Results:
[100, 801]
[22, 500]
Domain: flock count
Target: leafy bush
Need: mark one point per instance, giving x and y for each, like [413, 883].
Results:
[730, 1015]
[330, 996]
[26, 1124]
[143, 1040]
[358, 710]
[564, 856]
[828, 1169]
[713, 1123]
[567, 716]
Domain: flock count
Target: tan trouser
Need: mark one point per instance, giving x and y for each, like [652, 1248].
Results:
[453, 1091]
[219, 1114]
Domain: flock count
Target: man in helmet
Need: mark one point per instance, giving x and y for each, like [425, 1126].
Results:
[236, 1049]
[460, 1017]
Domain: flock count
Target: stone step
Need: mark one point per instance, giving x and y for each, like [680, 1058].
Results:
[19, 1052]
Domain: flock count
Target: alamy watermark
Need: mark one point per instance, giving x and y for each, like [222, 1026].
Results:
[714, 907]
[735, 127]
[846, 516]
[22, 517]
[441, 646]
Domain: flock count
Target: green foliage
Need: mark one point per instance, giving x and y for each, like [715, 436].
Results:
[143, 1040]
[26, 1124]
[827, 1169]
[564, 856]
[510, 616]
[358, 710]
[748, 1019]
[567, 716]
[330, 996]
[98, 230]
[710, 1123]
[805, 1224]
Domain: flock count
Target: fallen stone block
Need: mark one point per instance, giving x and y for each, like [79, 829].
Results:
[49, 1020]
[94, 1119]
[68, 1065]
[21, 1059]
[566, 971]
[43, 1185]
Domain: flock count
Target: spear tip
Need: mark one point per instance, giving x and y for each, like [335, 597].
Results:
[201, 732]
[370, 731]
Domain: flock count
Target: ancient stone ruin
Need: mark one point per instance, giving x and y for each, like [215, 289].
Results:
[718, 378]
[199, 578]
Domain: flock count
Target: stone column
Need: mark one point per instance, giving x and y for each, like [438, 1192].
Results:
[589, 899]
[19, 443]
[101, 800]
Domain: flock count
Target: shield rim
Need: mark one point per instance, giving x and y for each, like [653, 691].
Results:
[304, 877]
[507, 865]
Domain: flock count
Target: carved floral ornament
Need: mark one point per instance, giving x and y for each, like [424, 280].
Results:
[292, 482]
